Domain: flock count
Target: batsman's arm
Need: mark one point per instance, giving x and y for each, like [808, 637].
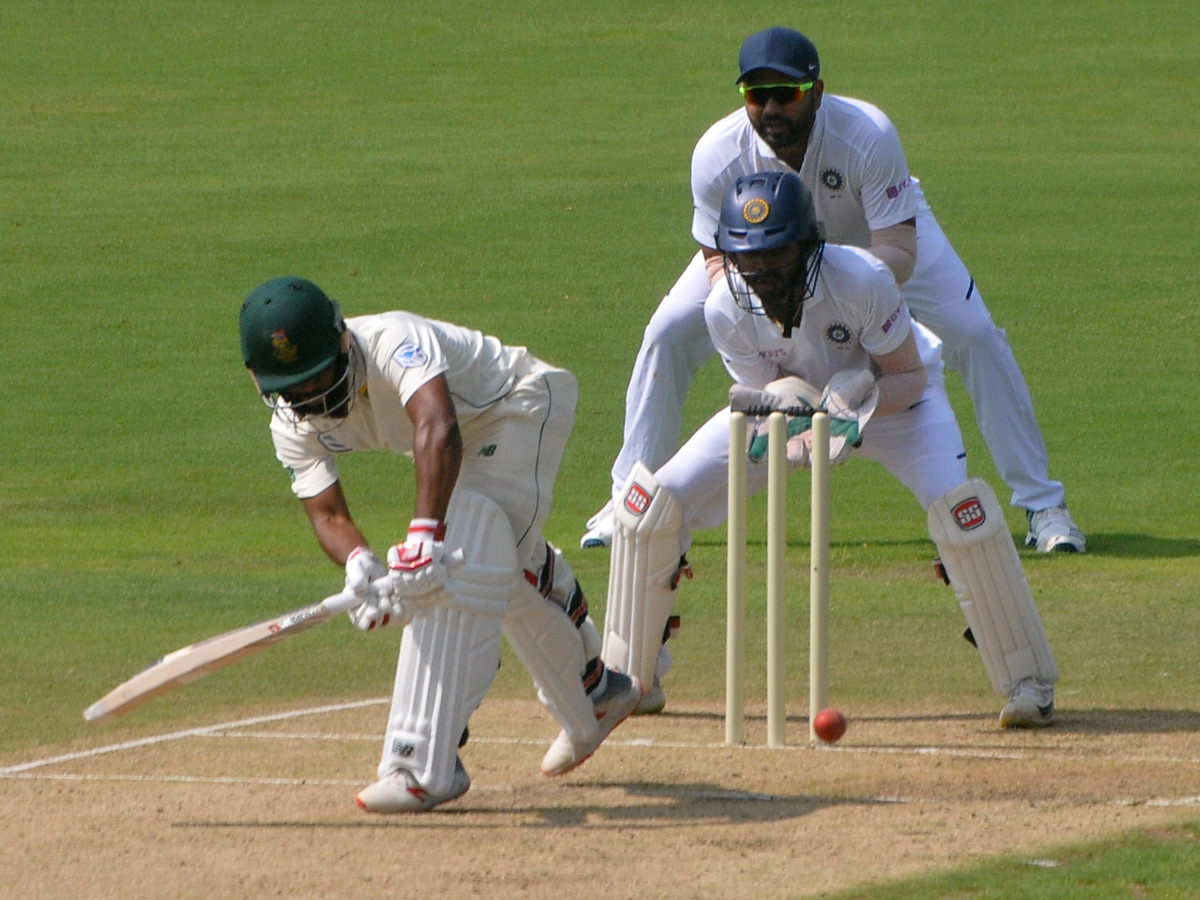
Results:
[437, 447]
[331, 521]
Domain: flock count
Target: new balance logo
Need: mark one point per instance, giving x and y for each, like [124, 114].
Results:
[489, 450]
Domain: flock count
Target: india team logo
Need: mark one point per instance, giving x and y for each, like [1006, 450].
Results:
[756, 210]
[969, 514]
[833, 180]
[637, 500]
[283, 349]
[839, 334]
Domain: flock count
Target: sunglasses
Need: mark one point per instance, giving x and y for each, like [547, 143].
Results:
[762, 94]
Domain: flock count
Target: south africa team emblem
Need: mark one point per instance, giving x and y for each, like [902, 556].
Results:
[283, 349]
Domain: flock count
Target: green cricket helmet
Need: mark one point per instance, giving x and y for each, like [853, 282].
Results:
[291, 332]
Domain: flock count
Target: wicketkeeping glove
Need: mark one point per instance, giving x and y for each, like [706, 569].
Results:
[850, 399]
[791, 395]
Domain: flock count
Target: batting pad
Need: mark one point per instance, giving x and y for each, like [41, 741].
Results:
[641, 576]
[450, 651]
[968, 527]
[551, 649]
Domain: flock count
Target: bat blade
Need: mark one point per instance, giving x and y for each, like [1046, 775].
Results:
[194, 661]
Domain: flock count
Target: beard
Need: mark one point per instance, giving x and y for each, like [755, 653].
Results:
[782, 132]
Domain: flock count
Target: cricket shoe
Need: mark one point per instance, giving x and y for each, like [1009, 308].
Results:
[399, 792]
[1053, 529]
[600, 529]
[1030, 705]
[619, 700]
[653, 701]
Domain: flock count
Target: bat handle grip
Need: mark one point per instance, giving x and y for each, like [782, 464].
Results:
[344, 601]
[340, 602]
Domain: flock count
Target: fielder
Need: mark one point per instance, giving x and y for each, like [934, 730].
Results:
[849, 156]
[485, 425]
[792, 312]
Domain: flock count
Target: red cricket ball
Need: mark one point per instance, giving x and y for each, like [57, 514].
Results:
[829, 725]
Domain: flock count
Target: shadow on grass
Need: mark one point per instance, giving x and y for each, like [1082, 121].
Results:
[1120, 546]
[1141, 546]
[1127, 721]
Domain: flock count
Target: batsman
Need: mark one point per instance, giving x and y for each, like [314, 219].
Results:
[802, 324]
[485, 425]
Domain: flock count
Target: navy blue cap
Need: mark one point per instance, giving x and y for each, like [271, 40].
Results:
[782, 50]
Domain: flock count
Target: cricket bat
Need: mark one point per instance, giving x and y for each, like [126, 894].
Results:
[187, 664]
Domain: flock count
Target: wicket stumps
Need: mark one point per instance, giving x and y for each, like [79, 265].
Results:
[735, 579]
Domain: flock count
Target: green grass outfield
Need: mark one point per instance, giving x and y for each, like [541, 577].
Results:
[526, 172]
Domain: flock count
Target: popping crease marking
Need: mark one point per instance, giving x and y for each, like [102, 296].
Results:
[180, 735]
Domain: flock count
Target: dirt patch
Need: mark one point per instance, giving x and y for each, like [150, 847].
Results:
[665, 810]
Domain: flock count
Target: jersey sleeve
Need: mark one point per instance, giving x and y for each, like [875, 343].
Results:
[708, 192]
[888, 320]
[733, 338]
[410, 357]
[312, 468]
[887, 191]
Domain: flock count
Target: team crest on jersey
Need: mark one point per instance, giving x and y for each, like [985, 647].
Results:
[332, 444]
[833, 179]
[409, 356]
[839, 334]
[969, 514]
[756, 210]
[283, 349]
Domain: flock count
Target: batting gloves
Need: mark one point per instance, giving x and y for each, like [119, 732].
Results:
[363, 569]
[417, 568]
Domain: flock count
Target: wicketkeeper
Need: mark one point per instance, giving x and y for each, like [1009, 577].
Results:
[485, 425]
[848, 153]
[799, 322]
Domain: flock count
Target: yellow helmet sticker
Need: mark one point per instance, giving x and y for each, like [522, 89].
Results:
[756, 210]
[283, 349]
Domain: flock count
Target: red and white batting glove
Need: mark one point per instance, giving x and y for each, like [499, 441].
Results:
[417, 568]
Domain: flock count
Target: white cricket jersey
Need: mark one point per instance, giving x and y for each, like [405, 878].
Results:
[398, 352]
[854, 166]
[855, 313]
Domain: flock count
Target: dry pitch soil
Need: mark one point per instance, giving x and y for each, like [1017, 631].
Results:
[265, 808]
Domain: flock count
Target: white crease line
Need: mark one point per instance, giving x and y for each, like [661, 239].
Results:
[703, 794]
[233, 730]
[954, 752]
[180, 735]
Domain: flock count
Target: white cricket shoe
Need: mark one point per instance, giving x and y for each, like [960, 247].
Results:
[1030, 705]
[654, 700]
[614, 706]
[1053, 529]
[399, 792]
[600, 529]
